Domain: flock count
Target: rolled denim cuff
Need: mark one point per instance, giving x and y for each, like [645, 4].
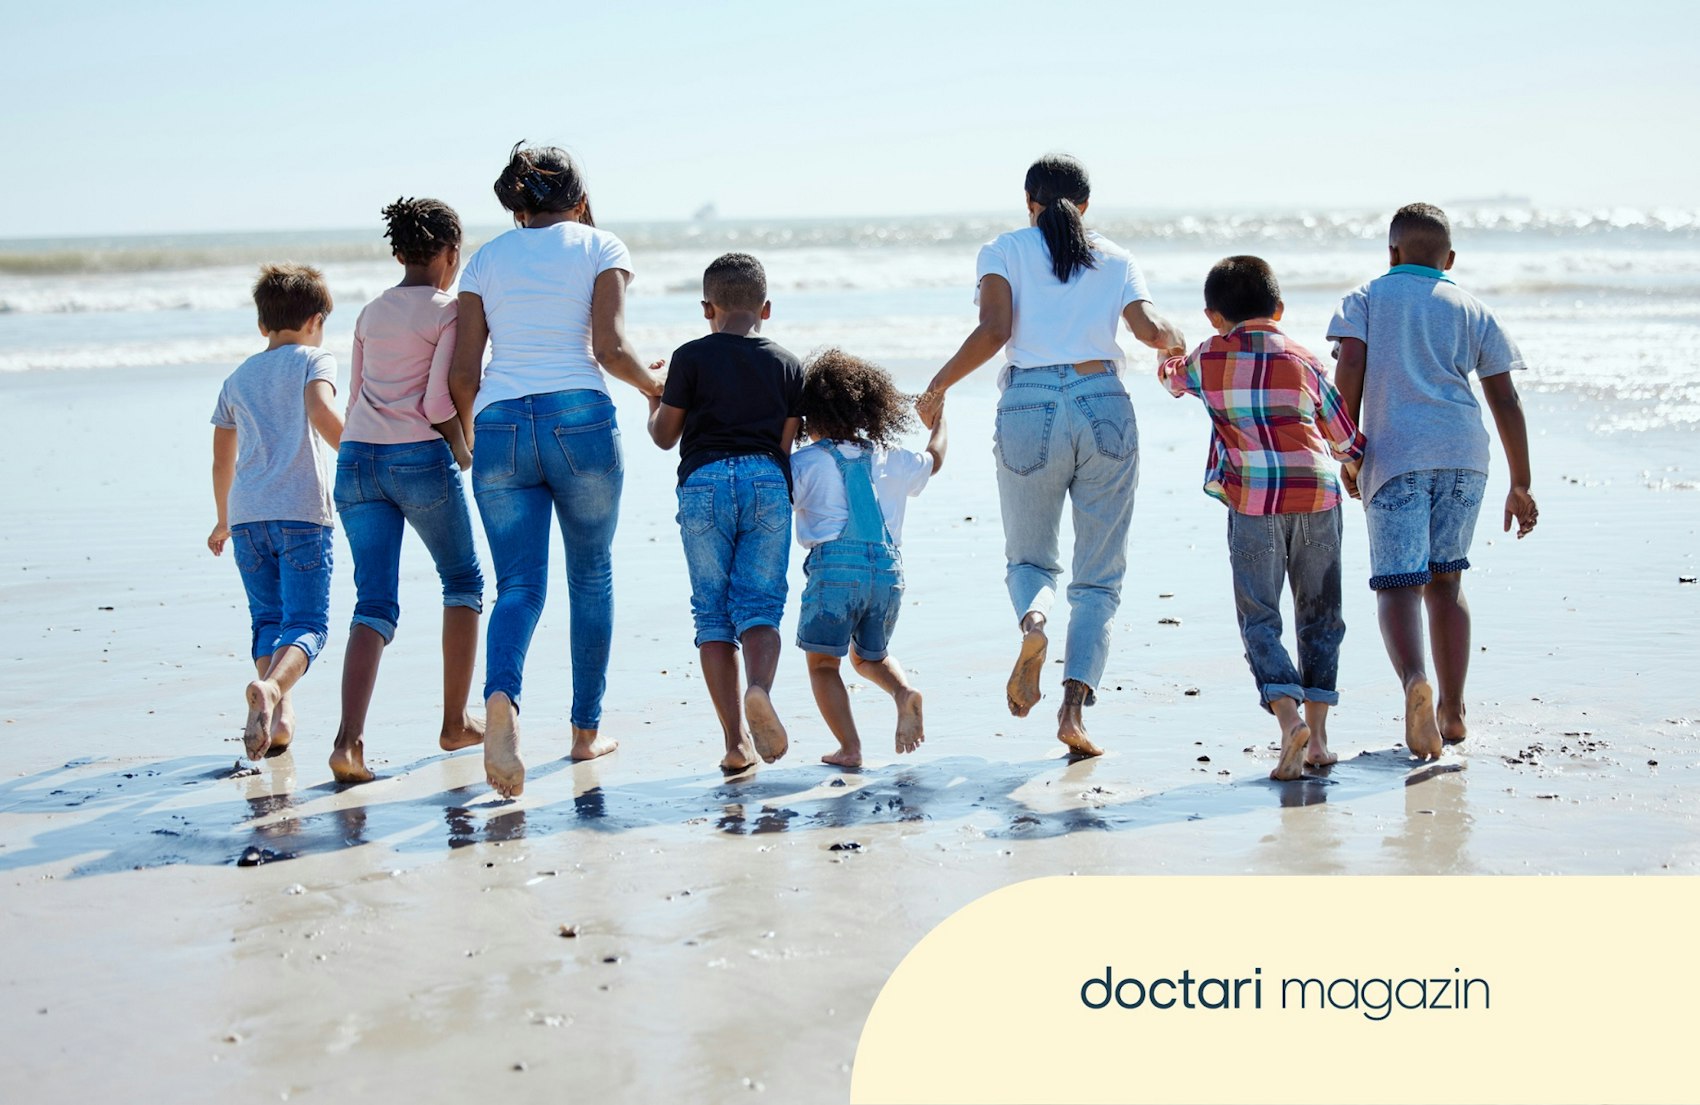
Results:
[872, 657]
[839, 651]
[1443, 567]
[756, 623]
[310, 641]
[716, 635]
[1327, 698]
[384, 629]
[1399, 579]
[1271, 691]
[472, 601]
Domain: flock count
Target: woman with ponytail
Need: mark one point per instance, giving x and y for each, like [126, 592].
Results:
[1051, 296]
[549, 297]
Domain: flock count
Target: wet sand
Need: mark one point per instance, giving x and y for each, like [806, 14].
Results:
[730, 936]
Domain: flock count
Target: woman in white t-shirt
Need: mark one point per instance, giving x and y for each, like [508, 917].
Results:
[549, 297]
[1051, 296]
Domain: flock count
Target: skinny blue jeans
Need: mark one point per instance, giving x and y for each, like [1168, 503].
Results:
[557, 454]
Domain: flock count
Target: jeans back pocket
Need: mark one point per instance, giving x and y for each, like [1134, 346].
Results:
[493, 447]
[1113, 428]
[696, 509]
[419, 486]
[1023, 436]
[590, 450]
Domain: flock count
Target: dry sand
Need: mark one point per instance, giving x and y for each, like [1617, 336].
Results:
[405, 936]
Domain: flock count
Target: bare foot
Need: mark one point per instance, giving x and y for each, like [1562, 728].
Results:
[1023, 687]
[283, 725]
[1317, 752]
[849, 756]
[765, 727]
[262, 699]
[348, 764]
[740, 759]
[588, 745]
[502, 765]
[1293, 747]
[1452, 727]
[469, 732]
[1071, 727]
[910, 731]
[1422, 735]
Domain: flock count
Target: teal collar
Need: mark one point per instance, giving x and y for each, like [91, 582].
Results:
[1421, 270]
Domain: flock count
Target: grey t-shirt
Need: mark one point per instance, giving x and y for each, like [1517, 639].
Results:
[282, 474]
[1424, 336]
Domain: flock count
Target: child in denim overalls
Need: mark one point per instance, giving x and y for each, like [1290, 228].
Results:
[851, 488]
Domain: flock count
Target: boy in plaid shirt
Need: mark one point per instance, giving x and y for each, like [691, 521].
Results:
[1275, 421]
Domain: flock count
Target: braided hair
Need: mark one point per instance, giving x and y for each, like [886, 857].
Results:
[542, 178]
[419, 229]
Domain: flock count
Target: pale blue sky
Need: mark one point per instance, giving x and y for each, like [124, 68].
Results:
[127, 118]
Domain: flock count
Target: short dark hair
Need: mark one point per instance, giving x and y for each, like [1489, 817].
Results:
[289, 295]
[1242, 287]
[736, 282]
[540, 179]
[419, 229]
[1422, 229]
[846, 398]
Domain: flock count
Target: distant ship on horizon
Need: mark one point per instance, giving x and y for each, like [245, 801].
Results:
[707, 213]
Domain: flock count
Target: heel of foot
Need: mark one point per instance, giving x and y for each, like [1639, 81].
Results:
[766, 730]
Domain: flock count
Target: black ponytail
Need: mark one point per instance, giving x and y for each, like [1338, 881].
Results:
[1058, 184]
[540, 179]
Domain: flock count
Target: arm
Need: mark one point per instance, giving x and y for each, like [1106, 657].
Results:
[223, 475]
[321, 414]
[997, 319]
[1349, 382]
[1501, 396]
[356, 366]
[666, 423]
[1182, 373]
[466, 370]
[788, 436]
[455, 434]
[1152, 328]
[938, 443]
[608, 334]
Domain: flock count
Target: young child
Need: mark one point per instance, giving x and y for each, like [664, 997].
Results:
[1408, 342]
[852, 486]
[273, 492]
[397, 466]
[730, 403]
[1275, 421]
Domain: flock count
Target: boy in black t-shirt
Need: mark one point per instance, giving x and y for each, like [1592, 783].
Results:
[733, 397]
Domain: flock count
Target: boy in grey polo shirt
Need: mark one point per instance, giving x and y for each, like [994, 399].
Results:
[1408, 343]
[272, 487]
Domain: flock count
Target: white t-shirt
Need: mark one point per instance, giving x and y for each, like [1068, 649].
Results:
[819, 507]
[1057, 323]
[536, 286]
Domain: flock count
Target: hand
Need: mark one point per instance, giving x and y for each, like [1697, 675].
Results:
[216, 539]
[1519, 504]
[930, 406]
[463, 457]
[660, 378]
[1349, 476]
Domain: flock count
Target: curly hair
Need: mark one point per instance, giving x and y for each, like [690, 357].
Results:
[846, 398]
[419, 229]
[540, 179]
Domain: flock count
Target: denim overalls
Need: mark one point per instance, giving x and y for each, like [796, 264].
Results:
[855, 581]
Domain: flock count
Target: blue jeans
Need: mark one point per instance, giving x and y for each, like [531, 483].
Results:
[381, 487]
[1063, 436]
[1420, 525]
[552, 454]
[1267, 551]
[735, 520]
[286, 570]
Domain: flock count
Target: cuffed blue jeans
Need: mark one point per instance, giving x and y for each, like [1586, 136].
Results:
[1269, 551]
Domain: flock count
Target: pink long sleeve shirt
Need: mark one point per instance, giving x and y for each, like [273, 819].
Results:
[399, 378]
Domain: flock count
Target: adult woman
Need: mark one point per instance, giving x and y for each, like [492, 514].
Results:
[1051, 294]
[550, 297]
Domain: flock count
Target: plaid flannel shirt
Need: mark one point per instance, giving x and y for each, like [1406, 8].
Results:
[1275, 420]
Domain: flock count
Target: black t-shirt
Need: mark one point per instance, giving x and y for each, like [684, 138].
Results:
[736, 392]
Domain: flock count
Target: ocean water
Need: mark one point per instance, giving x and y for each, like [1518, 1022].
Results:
[1606, 304]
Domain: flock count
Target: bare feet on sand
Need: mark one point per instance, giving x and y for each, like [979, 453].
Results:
[1071, 727]
[1023, 688]
[1294, 744]
[283, 724]
[1422, 734]
[910, 730]
[740, 759]
[1452, 727]
[765, 727]
[348, 764]
[263, 698]
[1317, 752]
[468, 732]
[588, 744]
[848, 756]
[502, 765]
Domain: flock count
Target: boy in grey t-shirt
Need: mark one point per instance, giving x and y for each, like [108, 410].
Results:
[273, 492]
[1408, 343]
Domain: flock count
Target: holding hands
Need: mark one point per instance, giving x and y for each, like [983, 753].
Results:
[929, 405]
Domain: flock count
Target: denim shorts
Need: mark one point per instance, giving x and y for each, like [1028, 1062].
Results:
[286, 571]
[1420, 525]
[853, 595]
[735, 521]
